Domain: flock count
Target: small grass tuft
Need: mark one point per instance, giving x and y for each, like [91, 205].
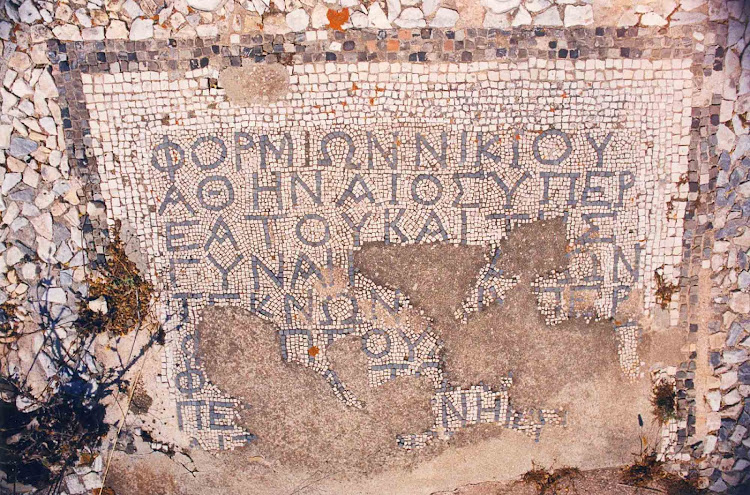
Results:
[41, 442]
[664, 402]
[675, 485]
[649, 470]
[644, 470]
[126, 292]
[664, 290]
[7, 320]
[549, 482]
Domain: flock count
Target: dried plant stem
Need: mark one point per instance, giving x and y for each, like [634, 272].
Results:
[122, 423]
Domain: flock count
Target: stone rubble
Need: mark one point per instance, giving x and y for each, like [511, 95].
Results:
[176, 20]
[43, 257]
[725, 454]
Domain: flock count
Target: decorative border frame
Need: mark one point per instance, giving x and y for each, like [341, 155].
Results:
[72, 59]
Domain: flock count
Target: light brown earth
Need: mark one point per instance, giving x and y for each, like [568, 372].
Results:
[310, 443]
[296, 417]
[594, 482]
[508, 337]
[704, 377]
[156, 474]
[255, 84]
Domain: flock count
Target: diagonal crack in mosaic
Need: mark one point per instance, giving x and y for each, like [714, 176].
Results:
[263, 207]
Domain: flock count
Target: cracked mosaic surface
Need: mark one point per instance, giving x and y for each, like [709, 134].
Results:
[55, 233]
[262, 206]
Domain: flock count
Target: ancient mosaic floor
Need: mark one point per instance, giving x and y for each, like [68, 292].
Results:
[396, 250]
[263, 203]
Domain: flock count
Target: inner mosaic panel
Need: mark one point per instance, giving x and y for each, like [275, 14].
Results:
[262, 206]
